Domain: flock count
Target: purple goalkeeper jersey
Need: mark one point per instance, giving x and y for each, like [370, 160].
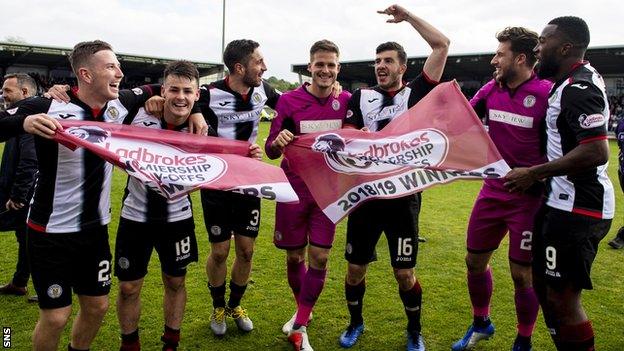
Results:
[301, 113]
[515, 120]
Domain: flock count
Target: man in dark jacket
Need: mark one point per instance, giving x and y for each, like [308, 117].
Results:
[17, 176]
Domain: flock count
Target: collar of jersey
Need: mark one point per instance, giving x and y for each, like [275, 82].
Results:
[95, 114]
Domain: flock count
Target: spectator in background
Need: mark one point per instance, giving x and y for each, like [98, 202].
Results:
[17, 176]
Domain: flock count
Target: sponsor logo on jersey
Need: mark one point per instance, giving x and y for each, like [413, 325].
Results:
[591, 121]
[552, 99]
[148, 124]
[319, 126]
[55, 291]
[372, 100]
[91, 134]
[511, 118]
[123, 262]
[137, 91]
[215, 230]
[66, 115]
[336, 105]
[420, 148]
[349, 114]
[113, 112]
[529, 101]
[224, 103]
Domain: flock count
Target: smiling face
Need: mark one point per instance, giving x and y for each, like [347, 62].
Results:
[12, 92]
[254, 69]
[102, 74]
[547, 52]
[324, 68]
[505, 62]
[389, 70]
[180, 94]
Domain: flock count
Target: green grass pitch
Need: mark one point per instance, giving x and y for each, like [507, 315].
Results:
[446, 307]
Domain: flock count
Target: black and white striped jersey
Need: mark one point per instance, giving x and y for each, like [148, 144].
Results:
[72, 191]
[232, 115]
[374, 107]
[578, 112]
[142, 204]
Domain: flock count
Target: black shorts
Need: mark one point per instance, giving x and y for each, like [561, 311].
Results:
[397, 218]
[174, 242]
[565, 245]
[227, 213]
[62, 262]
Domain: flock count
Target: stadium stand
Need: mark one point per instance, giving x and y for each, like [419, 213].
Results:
[472, 71]
[49, 65]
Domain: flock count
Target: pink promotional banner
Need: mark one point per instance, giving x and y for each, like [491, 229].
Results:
[175, 163]
[437, 141]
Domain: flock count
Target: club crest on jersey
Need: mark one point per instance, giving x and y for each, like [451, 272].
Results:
[55, 291]
[277, 236]
[256, 98]
[137, 91]
[215, 230]
[123, 262]
[420, 148]
[12, 111]
[113, 112]
[529, 101]
[591, 121]
[349, 114]
[349, 249]
[336, 105]
[91, 134]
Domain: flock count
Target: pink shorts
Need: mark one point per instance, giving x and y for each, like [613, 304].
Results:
[494, 214]
[298, 224]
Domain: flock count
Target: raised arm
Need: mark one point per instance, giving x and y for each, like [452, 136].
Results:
[439, 43]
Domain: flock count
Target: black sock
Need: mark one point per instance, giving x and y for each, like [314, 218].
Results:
[523, 340]
[218, 295]
[355, 296]
[481, 321]
[236, 294]
[70, 348]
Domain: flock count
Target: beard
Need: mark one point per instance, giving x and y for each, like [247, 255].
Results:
[508, 76]
[547, 68]
[251, 80]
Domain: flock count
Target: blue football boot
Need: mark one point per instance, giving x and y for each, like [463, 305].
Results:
[350, 336]
[472, 336]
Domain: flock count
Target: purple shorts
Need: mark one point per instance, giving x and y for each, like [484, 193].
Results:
[296, 224]
[495, 213]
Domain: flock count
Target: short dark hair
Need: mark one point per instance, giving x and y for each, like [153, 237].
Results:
[182, 68]
[522, 41]
[391, 45]
[238, 51]
[574, 29]
[24, 79]
[324, 45]
[83, 51]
